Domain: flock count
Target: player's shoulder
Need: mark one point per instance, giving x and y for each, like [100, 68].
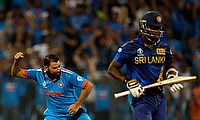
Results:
[127, 44]
[36, 70]
[67, 71]
[130, 45]
[162, 44]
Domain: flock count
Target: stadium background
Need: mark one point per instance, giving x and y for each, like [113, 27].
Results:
[85, 34]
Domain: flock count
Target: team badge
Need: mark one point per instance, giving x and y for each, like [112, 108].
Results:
[160, 51]
[158, 19]
[60, 84]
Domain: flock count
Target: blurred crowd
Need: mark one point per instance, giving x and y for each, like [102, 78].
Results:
[85, 35]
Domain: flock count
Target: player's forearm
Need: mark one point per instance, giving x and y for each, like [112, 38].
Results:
[116, 74]
[114, 71]
[15, 69]
[84, 94]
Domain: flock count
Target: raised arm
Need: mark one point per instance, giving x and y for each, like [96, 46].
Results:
[16, 70]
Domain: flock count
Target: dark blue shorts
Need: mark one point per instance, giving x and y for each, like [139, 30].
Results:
[149, 107]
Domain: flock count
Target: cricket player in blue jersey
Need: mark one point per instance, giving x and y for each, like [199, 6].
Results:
[59, 86]
[146, 59]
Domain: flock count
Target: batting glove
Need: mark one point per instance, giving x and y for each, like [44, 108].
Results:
[135, 88]
[171, 73]
[176, 87]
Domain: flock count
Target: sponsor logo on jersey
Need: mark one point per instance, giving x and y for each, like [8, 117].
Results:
[60, 84]
[53, 94]
[160, 51]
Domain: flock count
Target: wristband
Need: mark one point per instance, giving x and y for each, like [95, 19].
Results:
[132, 84]
[126, 80]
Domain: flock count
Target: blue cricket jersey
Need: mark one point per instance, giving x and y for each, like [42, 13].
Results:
[59, 94]
[144, 64]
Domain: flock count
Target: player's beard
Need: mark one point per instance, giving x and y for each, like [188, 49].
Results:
[153, 40]
[54, 75]
[149, 40]
[57, 75]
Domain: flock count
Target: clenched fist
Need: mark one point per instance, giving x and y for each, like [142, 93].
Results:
[18, 56]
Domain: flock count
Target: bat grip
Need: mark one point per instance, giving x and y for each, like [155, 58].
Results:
[117, 95]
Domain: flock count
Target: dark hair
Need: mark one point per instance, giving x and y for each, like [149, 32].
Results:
[50, 58]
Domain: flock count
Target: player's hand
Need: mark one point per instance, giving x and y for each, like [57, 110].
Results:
[176, 87]
[171, 73]
[73, 108]
[135, 88]
[18, 56]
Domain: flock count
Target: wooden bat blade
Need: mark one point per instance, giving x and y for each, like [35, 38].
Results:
[179, 79]
[170, 81]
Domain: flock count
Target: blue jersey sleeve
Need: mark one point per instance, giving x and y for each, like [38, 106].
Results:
[78, 81]
[124, 53]
[169, 56]
[32, 73]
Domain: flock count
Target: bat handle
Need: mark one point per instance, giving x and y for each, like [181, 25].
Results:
[117, 95]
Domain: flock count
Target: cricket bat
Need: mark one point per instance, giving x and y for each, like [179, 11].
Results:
[179, 79]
